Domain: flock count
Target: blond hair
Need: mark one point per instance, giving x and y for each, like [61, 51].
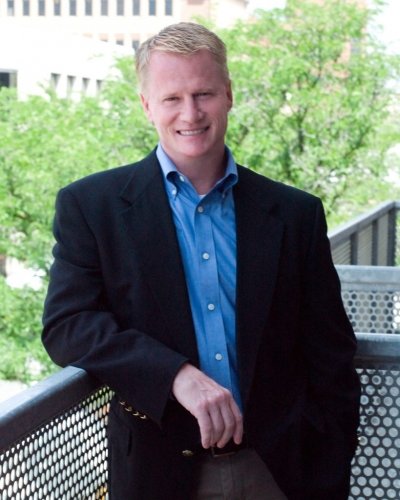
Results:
[182, 38]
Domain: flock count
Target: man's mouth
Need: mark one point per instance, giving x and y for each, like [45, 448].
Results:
[188, 133]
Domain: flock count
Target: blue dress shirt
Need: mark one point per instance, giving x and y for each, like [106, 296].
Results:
[206, 231]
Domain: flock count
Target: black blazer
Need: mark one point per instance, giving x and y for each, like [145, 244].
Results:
[117, 306]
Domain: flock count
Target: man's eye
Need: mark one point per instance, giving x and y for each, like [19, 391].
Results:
[170, 99]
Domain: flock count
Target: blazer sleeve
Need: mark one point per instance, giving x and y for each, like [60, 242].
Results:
[329, 343]
[81, 330]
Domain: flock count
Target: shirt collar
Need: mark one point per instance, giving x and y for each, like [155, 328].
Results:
[170, 172]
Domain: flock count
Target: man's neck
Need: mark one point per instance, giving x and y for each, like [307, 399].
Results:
[203, 173]
[203, 181]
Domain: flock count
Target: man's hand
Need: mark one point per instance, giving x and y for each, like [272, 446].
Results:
[213, 406]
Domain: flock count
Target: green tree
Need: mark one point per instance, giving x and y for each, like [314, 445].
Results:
[22, 356]
[45, 143]
[311, 95]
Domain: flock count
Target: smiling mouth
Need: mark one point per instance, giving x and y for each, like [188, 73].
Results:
[189, 133]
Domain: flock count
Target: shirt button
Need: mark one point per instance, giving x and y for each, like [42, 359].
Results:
[206, 256]
[200, 209]
[218, 356]
[174, 191]
[181, 178]
[211, 307]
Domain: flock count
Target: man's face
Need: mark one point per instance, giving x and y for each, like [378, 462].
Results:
[188, 99]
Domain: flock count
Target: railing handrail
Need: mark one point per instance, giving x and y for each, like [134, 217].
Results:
[70, 385]
[381, 347]
[344, 231]
[51, 397]
[360, 276]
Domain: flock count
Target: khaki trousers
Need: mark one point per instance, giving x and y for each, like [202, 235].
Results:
[242, 476]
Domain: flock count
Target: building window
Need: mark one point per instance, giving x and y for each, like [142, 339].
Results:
[136, 7]
[72, 7]
[57, 7]
[54, 80]
[26, 7]
[70, 85]
[8, 79]
[152, 7]
[88, 8]
[135, 45]
[10, 8]
[119, 38]
[104, 8]
[41, 7]
[4, 80]
[85, 85]
[120, 7]
[99, 85]
[168, 7]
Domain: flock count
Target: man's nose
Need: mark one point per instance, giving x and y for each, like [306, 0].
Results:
[191, 111]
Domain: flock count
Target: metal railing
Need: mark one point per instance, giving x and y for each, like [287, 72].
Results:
[53, 442]
[53, 436]
[370, 239]
[371, 296]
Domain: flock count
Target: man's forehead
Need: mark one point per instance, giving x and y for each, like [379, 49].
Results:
[197, 65]
[164, 55]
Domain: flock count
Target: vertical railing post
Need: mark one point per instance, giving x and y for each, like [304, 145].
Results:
[391, 248]
[374, 243]
[354, 249]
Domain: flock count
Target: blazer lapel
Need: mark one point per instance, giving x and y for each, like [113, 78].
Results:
[151, 228]
[259, 235]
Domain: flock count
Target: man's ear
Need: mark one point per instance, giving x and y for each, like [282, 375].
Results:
[146, 107]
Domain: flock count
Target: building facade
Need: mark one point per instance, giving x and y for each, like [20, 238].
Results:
[125, 22]
[71, 45]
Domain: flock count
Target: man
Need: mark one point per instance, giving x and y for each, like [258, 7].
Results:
[205, 296]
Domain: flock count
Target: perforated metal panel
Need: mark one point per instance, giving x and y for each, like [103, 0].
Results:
[376, 466]
[371, 296]
[374, 312]
[64, 459]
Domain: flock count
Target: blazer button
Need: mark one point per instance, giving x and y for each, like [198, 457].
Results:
[187, 453]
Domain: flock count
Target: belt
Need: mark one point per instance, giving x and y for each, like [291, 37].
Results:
[229, 449]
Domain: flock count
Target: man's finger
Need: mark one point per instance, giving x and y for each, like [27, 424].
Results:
[233, 424]
[238, 432]
[206, 429]
[218, 423]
